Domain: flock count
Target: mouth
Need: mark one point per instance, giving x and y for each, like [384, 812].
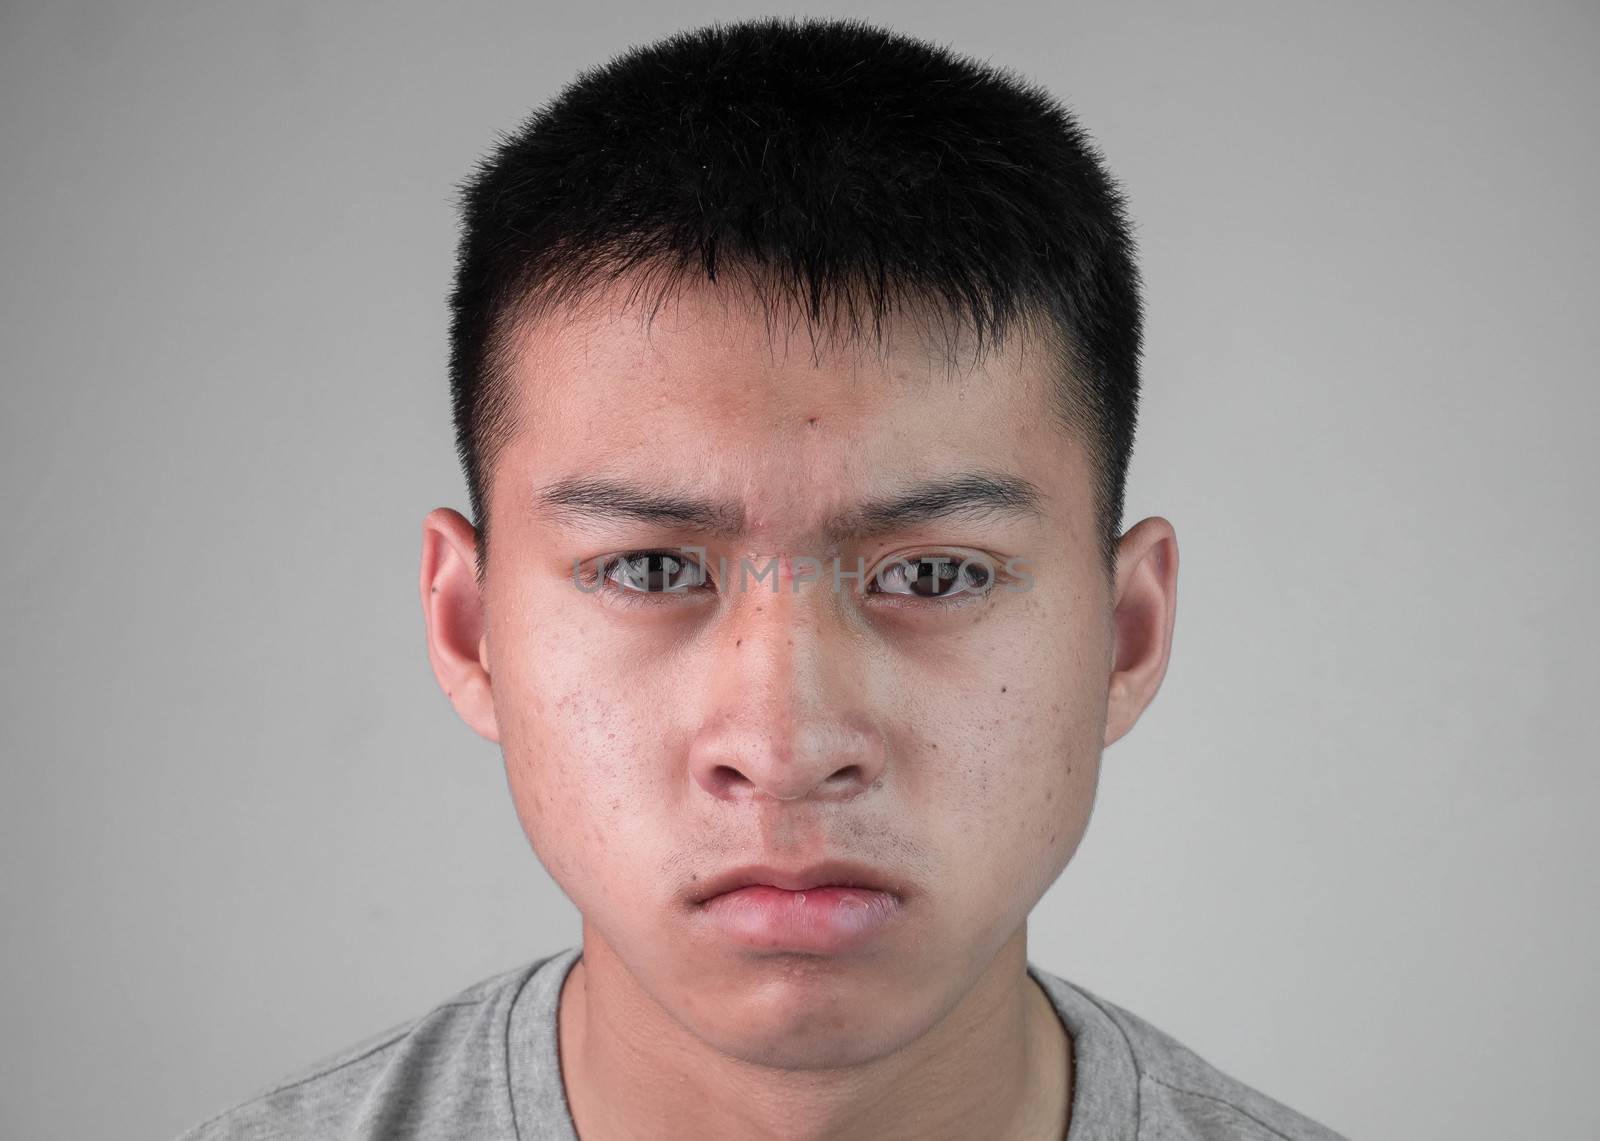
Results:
[828, 874]
[823, 909]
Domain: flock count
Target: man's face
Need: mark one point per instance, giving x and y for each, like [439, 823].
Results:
[948, 737]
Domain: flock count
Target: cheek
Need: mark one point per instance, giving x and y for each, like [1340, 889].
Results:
[1016, 750]
[1019, 775]
[568, 731]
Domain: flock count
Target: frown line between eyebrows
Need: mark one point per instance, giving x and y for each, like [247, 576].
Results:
[608, 501]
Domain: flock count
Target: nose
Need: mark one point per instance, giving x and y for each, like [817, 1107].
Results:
[786, 716]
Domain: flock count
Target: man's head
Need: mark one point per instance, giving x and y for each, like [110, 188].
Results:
[636, 265]
[837, 166]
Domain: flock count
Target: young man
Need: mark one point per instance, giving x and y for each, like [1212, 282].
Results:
[795, 367]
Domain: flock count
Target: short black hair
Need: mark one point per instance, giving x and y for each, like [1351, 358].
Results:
[828, 162]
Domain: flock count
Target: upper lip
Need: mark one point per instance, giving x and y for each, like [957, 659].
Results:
[828, 873]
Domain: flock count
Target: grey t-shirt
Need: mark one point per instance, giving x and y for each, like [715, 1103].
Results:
[485, 1064]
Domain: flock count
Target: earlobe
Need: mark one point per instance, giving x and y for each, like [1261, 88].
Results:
[1142, 623]
[452, 610]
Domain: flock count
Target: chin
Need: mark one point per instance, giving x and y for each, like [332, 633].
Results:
[795, 1029]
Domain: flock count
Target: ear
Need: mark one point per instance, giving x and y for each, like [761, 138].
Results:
[1146, 605]
[453, 611]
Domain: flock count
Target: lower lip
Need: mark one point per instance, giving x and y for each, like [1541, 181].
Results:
[821, 920]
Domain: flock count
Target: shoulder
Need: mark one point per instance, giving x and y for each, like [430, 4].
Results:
[1177, 1083]
[394, 1083]
[1179, 1096]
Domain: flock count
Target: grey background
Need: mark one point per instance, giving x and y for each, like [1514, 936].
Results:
[1349, 853]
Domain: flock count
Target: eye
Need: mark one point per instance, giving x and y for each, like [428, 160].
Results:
[934, 577]
[652, 572]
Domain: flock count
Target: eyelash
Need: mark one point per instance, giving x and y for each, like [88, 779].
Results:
[597, 578]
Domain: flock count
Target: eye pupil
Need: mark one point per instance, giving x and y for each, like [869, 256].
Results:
[931, 577]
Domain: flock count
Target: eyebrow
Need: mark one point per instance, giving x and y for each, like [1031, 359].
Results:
[606, 499]
[970, 493]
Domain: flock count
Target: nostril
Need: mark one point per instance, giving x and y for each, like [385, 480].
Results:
[834, 757]
[727, 777]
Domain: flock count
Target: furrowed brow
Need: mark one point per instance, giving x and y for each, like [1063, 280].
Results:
[972, 493]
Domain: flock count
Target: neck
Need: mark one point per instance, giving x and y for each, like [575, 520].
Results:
[997, 1065]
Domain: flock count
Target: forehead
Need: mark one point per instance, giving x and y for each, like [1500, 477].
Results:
[714, 392]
